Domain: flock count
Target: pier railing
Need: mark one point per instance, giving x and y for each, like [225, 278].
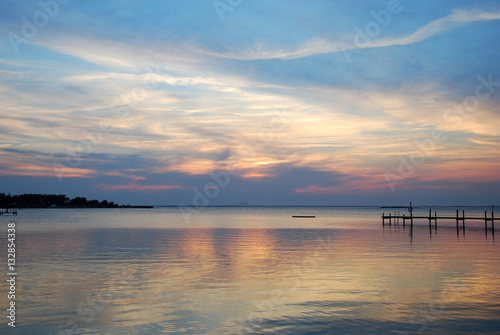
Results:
[397, 217]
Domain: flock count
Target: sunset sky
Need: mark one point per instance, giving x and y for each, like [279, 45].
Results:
[233, 102]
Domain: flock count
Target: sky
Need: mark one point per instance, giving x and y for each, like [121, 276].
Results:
[236, 102]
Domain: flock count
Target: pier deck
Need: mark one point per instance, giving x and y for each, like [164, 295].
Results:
[13, 212]
[405, 217]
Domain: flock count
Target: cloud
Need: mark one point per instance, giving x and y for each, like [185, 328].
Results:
[318, 189]
[138, 188]
[347, 184]
[203, 111]
[121, 174]
[457, 18]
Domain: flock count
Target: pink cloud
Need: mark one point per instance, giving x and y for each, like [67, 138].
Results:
[120, 174]
[317, 189]
[138, 188]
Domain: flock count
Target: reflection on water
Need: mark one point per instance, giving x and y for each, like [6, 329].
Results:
[212, 280]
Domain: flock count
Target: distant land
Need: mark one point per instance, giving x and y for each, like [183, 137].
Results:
[55, 201]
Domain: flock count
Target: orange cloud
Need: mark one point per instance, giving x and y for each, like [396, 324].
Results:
[138, 188]
[257, 175]
[188, 166]
[27, 169]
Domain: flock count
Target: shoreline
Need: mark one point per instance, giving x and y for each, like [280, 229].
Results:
[77, 207]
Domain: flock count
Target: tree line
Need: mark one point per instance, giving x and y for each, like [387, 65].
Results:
[51, 200]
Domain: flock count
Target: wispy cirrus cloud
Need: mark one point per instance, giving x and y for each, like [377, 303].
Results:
[203, 109]
[457, 18]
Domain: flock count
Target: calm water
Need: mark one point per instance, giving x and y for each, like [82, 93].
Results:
[250, 271]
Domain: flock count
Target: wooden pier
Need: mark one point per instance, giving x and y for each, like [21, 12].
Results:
[7, 212]
[434, 217]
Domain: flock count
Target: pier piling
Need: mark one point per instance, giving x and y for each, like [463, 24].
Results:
[493, 223]
[486, 222]
[463, 219]
[430, 218]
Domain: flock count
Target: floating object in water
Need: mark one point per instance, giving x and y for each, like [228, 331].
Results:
[304, 216]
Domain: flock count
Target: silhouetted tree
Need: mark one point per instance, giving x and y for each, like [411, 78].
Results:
[49, 200]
